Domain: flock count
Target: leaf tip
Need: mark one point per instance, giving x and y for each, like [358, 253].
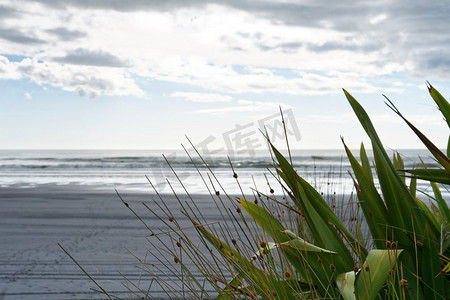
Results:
[429, 86]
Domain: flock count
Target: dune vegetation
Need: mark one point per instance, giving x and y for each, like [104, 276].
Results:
[295, 245]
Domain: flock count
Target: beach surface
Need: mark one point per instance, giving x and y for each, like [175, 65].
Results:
[92, 224]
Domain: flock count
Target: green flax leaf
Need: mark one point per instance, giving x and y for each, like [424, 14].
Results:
[374, 272]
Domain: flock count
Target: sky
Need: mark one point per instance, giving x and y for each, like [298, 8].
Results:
[135, 74]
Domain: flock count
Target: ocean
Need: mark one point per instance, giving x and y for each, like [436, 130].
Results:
[133, 169]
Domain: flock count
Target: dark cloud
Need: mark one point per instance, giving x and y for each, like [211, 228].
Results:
[7, 12]
[306, 14]
[66, 34]
[352, 15]
[408, 35]
[435, 65]
[437, 62]
[19, 37]
[91, 58]
[349, 46]
[121, 5]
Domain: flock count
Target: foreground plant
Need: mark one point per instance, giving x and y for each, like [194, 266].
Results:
[295, 246]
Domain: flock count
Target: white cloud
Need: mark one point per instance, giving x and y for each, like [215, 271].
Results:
[244, 106]
[28, 96]
[414, 119]
[202, 97]
[91, 81]
[8, 69]
[377, 19]
[100, 48]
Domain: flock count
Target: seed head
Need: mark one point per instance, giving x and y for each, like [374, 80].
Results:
[178, 244]
[234, 241]
[176, 260]
[332, 267]
[367, 268]
[287, 274]
[217, 193]
[403, 283]
[238, 210]
[263, 244]
[235, 175]
[272, 191]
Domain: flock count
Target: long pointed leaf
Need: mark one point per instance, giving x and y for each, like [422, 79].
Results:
[365, 161]
[404, 211]
[441, 102]
[374, 272]
[433, 175]
[371, 203]
[265, 220]
[433, 284]
[441, 157]
[346, 285]
[320, 218]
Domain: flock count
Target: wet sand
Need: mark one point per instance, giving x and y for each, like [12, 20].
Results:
[91, 223]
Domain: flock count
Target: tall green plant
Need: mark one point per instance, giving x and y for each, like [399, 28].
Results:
[411, 241]
[301, 249]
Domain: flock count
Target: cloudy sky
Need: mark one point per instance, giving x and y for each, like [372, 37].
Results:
[79, 74]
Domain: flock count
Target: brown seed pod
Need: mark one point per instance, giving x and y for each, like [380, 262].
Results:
[394, 245]
[176, 260]
[217, 193]
[234, 241]
[388, 245]
[178, 244]
[403, 283]
[272, 191]
[367, 268]
[263, 244]
[171, 219]
[287, 274]
[238, 210]
[235, 175]
[332, 267]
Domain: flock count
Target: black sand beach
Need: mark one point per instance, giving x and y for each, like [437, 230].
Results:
[90, 222]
